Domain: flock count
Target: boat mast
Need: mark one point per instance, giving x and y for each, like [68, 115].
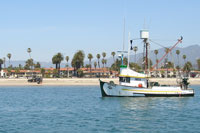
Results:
[144, 34]
[129, 41]
[146, 57]
[124, 35]
[123, 51]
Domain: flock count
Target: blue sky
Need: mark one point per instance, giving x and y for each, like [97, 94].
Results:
[94, 26]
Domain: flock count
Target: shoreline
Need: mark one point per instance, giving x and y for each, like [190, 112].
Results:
[85, 81]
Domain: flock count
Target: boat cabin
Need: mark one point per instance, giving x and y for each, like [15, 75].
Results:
[128, 77]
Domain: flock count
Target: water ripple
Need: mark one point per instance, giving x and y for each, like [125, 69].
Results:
[82, 109]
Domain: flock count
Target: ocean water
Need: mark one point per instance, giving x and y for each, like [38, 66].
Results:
[59, 109]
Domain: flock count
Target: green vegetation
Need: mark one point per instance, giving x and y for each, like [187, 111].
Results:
[156, 53]
[178, 52]
[57, 59]
[90, 59]
[187, 67]
[198, 64]
[184, 57]
[95, 64]
[1, 62]
[77, 63]
[98, 58]
[67, 59]
[9, 56]
[135, 49]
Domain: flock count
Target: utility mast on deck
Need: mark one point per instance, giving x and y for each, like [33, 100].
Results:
[144, 34]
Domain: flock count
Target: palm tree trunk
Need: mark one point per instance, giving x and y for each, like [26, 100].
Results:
[56, 66]
[99, 67]
[156, 66]
[59, 70]
[67, 70]
[135, 57]
[178, 61]
[90, 70]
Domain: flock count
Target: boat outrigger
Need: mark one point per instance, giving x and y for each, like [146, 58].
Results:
[132, 83]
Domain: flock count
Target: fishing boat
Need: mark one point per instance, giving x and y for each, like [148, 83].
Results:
[132, 83]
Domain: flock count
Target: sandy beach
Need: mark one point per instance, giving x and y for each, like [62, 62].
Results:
[84, 81]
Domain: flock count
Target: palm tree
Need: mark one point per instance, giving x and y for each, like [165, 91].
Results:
[95, 64]
[38, 65]
[98, 57]
[178, 52]
[156, 53]
[113, 54]
[90, 58]
[1, 62]
[187, 67]
[67, 59]
[29, 52]
[166, 50]
[184, 57]
[78, 61]
[104, 54]
[28, 64]
[57, 59]
[60, 59]
[9, 56]
[103, 62]
[4, 62]
[135, 49]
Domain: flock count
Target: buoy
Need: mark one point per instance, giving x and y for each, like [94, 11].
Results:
[140, 85]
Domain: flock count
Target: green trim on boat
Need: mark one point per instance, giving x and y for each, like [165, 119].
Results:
[123, 66]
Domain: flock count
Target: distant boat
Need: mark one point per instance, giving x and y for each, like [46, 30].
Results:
[132, 83]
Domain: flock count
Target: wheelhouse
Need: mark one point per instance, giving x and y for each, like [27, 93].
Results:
[129, 77]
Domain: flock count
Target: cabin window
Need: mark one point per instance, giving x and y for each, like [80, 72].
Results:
[127, 79]
[138, 79]
[121, 79]
[124, 79]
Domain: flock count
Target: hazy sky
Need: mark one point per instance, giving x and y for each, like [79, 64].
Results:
[95, 26]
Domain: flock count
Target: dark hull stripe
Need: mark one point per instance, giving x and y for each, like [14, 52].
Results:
[168, 95]
[103, 93]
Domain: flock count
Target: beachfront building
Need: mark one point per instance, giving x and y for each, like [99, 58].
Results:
[64, 72]
[163, 73]
[3, 73]
[19, 73]
[86, 72]
[24, 73]
[172, 73]
[99, 72]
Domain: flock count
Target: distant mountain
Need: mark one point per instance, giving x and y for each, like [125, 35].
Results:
[43, 64]
[192, 52]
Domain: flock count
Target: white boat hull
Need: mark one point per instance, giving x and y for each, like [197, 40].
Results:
[110, 89]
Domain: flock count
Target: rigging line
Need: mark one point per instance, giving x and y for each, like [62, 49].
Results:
[164, 40]
[124, 34]
[135, 39]
[157, 43]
